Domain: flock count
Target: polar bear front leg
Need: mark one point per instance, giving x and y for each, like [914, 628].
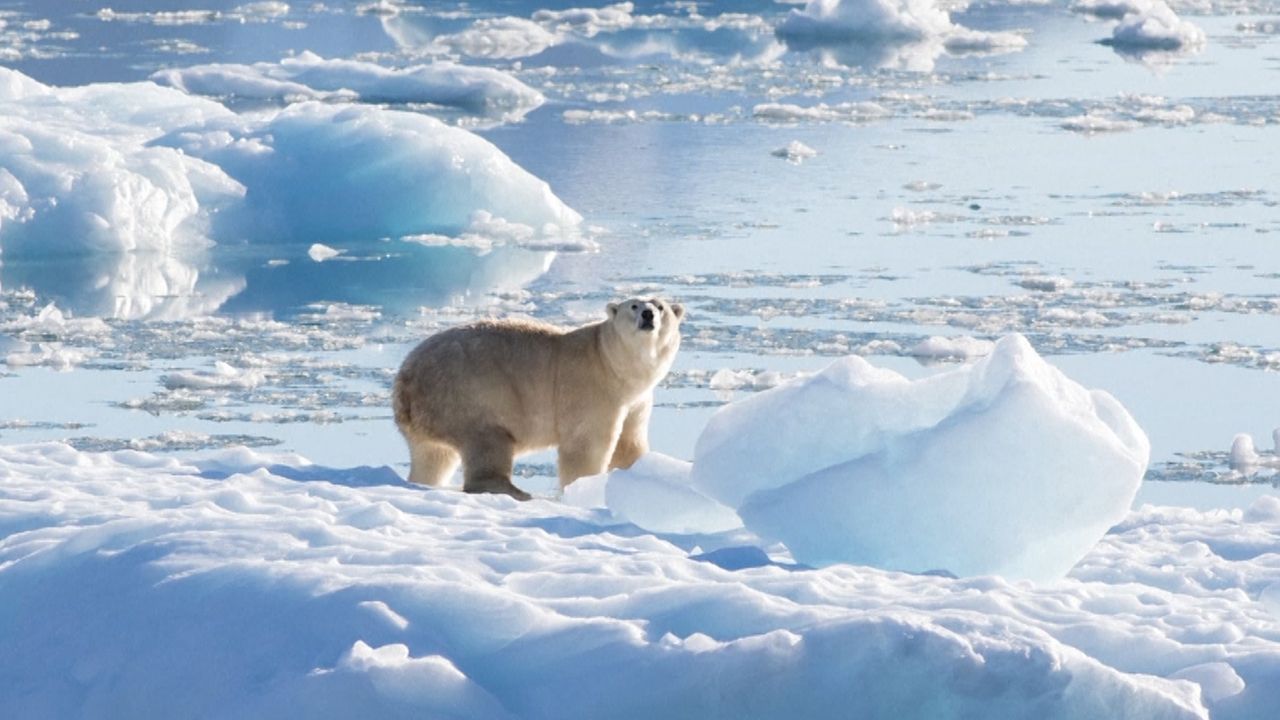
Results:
[634, 439]
[586, 449]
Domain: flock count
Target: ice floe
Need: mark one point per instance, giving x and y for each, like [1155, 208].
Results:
[482, 91]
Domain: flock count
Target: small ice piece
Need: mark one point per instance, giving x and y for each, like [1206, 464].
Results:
[1045, 283]
[320, 252]
[1003, 466]
[1217, 680]
[795, 152]
[654, 494]
[1243, 455]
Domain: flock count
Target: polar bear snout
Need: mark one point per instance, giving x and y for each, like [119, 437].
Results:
[646, 319]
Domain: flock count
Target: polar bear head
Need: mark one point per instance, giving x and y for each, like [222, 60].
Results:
[650, 330]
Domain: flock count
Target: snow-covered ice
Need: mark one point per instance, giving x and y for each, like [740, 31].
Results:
[1003, 466]
[250, 585]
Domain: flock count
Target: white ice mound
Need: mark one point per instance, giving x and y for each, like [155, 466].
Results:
[1004, 466]
[332, 174]
[478, 90]
[1153, 25]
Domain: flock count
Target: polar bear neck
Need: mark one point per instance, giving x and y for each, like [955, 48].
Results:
[639, 362]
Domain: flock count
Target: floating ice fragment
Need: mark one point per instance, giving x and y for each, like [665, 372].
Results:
[1046, 283]
[795, 152]
[320, 253]
[222, 377]
[1243, 454]
[1003, 466]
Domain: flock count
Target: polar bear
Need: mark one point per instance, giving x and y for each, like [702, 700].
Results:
[486, 392]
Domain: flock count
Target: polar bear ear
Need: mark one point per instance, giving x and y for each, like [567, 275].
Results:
[613, 309]
[678, 310]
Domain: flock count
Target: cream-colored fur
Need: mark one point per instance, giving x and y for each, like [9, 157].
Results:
[486, 392]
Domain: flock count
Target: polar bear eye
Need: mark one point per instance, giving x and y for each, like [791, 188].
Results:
[634, 306]
[659, 307]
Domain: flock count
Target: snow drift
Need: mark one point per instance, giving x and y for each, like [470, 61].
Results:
[1004, 466]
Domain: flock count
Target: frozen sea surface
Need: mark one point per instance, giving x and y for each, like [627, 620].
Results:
[240, 257]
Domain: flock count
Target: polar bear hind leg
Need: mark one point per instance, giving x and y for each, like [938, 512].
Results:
[431, 461]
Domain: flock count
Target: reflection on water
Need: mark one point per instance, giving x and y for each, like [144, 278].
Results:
[277, 280]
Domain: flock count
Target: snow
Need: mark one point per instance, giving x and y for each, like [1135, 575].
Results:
[108, 168]
[251, 585]
[1003, 466]
[484, 91]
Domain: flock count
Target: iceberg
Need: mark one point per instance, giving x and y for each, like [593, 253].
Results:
[1004, 466]
[128, 167]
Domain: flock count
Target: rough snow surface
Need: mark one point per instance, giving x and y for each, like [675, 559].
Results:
[290, 589]
[1003, 466]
